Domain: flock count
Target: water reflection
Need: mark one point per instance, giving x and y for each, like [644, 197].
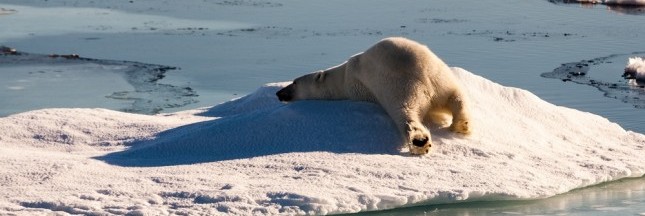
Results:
[617, 8]
[622, 197]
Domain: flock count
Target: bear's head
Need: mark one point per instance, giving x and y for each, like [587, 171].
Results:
[306, 87]
[321, 85]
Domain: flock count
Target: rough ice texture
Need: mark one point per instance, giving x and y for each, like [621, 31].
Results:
[254, 155]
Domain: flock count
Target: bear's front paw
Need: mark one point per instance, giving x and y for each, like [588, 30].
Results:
[460, 126]
[420, 144]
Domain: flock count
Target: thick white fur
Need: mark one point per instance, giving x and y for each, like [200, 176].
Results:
[411, 83]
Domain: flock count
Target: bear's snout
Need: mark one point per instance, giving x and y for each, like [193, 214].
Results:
[286, 93]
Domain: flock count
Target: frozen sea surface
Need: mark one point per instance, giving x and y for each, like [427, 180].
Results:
[34, 81]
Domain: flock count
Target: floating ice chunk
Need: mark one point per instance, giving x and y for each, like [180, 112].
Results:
[635, 69]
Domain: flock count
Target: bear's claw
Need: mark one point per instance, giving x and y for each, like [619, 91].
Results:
[420, 150]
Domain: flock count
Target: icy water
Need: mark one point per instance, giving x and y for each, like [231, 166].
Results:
[224, 49]
[623, 197]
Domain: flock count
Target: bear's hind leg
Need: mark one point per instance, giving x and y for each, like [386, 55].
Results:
[460, 116]
[441, 118]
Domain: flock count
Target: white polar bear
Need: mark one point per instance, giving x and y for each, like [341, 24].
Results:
[411, 83]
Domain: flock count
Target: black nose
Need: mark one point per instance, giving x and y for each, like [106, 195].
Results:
[285, 94]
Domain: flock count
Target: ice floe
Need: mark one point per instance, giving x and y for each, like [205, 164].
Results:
[255, 155]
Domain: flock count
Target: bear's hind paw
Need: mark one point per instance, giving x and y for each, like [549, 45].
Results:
[461, 127]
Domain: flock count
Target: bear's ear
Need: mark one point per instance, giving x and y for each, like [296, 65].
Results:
[320, 76]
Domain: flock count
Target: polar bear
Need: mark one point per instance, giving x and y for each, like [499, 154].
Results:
[404, 77]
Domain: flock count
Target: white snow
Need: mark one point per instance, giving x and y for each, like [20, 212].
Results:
[636, 68]
[254, 155]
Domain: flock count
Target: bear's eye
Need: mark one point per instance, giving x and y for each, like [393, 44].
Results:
[319, 77]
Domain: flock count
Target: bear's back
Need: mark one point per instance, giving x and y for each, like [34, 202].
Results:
[402, 55]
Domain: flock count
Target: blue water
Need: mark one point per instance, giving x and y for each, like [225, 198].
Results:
[225, 49]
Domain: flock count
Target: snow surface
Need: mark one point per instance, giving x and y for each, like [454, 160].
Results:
[255, 155]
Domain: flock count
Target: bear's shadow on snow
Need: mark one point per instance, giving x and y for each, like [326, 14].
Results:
[258, 125]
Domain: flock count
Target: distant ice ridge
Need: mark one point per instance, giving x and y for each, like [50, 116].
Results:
[635, 68]
[616, 2]
[255, 155]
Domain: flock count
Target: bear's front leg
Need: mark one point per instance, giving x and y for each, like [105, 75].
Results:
[415, 136]
[418, 138]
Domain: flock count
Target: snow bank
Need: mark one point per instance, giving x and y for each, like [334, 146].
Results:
[254, 155]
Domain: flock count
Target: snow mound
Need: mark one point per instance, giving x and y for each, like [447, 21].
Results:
[255, 155]
[259, 125]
